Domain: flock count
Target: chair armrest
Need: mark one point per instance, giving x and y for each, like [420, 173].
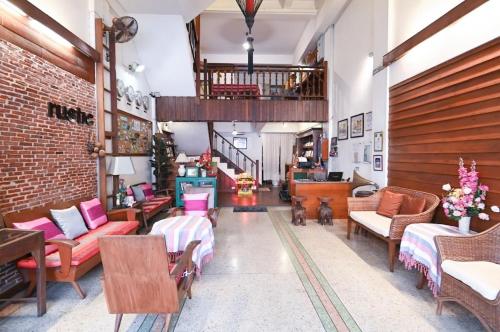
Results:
[400, 221]
[129, 214]
[213, 215]
[369, 203]
[65, 248]
[185, 261]
[165, 191]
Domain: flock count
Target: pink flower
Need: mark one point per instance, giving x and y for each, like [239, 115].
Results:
[484, 187]
[483, 216]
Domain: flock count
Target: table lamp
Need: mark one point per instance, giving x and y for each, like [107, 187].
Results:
[182, 159]
[121, 166]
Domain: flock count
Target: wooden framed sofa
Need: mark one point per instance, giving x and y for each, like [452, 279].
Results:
[362, 213]
[150, 202]
[67, 260]
[471, 274]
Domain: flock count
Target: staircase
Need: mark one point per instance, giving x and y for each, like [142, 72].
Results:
[232, 161]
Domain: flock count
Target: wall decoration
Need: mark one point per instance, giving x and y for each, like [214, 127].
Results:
[378, 164]
[240, 142]
[191, 172]
[130, 94]
[378, 141]
[134, 135]
[357, 153]
[334, 148]
[73, 115]
[357, 125]
[343, 129]
[138, 99]
[120, 88]
[146, 102]
[367, 153]
[368, 122]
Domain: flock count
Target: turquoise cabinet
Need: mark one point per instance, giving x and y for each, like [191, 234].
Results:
[180, 184]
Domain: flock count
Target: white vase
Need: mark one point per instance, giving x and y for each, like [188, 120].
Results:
[182, 170]
[464, 225]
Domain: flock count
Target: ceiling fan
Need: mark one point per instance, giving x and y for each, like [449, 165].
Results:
[235, 132]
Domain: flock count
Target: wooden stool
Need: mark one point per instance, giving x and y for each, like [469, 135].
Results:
[325, 212]
[298, 211]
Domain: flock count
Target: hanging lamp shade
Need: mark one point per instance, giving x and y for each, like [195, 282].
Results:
[249, 9]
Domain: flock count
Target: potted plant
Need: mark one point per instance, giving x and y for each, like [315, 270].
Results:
[160, 162]
[460, 204]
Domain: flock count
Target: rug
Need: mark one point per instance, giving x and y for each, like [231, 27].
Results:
[250, 209]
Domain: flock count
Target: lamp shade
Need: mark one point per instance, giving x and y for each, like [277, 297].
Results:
[121, 166]
[182, 158]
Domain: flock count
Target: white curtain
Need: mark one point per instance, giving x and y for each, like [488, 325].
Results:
[276, 147]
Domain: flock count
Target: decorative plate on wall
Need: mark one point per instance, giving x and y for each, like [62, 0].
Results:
[146, 102]
[120, 88]
[130, 94]
[138, 99]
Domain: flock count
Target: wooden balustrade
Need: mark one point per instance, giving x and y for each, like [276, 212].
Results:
[268, 82]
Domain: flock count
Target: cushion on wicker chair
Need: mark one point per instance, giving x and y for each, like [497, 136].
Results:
[390, 204]
[481, 276]
[377, 223]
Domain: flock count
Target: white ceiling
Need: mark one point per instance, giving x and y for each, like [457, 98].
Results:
[224, 33]
[189, 9]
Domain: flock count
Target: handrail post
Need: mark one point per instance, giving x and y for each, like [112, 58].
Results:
[257, 177]
[205, 78]
[325, 80]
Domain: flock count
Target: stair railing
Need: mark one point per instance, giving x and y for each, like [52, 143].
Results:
[235, 155]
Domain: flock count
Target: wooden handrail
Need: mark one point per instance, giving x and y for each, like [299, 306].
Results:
[232, 146]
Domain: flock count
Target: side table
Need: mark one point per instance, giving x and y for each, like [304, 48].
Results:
[16, 243]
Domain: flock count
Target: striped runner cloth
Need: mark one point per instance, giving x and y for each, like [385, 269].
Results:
[180, 231]
[418, 250]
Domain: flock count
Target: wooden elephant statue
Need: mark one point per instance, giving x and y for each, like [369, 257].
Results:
[298, 211]
[325, 212]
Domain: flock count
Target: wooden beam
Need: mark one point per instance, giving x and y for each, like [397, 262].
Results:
[35, 13]
[450, 17]
[101, 119]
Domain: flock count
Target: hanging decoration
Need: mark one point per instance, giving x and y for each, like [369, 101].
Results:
[249, 9]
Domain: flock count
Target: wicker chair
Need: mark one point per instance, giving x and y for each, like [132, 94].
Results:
[398, 222]
[481, 247]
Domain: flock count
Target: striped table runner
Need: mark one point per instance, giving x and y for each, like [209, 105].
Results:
[180, 231]
[418, 250]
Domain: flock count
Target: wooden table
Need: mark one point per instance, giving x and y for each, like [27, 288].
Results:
[16, 243]
[336, 191]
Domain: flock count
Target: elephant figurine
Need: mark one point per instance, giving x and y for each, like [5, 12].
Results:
[298, 211]
[325, 212]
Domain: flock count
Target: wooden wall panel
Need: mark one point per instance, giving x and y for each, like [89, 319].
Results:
[447, 112]
[249, 110]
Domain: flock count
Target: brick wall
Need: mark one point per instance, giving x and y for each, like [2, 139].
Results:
[42, 159]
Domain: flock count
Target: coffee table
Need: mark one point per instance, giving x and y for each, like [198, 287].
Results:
[16, 243]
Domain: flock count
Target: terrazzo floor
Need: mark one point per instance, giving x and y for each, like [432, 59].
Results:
[268, 275]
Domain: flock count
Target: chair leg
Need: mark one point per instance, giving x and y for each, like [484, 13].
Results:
[78, 289]
[31, 286]
[392, 255]
[349, 224]
[168, 318]
[356, 229]
[118, 321]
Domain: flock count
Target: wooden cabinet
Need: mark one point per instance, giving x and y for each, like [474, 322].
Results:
[309, 144]
[181, 182]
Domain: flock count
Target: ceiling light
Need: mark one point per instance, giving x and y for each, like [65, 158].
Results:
[48, 32]
[246, 45]
[234, 133]
[13, 9]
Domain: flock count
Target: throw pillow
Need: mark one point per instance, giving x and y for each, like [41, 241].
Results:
[50, 231]
[147, 189]
[390, 204]
[138, 194]
[70, 221]
[196, 204]
[93, 213]
[412, 205]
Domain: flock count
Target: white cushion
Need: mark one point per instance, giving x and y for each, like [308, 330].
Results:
[377, 223]
[483, 277]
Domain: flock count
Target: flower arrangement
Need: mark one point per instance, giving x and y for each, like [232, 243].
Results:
[205, 161]
[469, 199]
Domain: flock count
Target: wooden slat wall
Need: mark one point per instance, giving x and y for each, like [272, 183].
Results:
[194, 109]
[447, 112]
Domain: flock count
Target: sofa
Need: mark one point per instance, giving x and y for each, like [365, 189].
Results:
[68, 259]
[363, 213]
[150, 202]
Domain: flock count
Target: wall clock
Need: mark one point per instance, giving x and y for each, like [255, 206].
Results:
[130, 94]
[120, 88]
[146, 102]
[138, 99]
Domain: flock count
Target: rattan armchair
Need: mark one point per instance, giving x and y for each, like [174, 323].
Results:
[398, 222]
[481, 247]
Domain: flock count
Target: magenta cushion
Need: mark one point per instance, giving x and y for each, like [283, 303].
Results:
[147, 189]
[93, 213]
[196, 204]
[50, 231]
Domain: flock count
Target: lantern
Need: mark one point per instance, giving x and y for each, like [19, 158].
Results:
[249, 9]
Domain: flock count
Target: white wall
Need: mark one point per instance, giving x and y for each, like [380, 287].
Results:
[190, 137]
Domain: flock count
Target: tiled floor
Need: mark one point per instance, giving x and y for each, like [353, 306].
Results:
[268, 275]
[267, 198]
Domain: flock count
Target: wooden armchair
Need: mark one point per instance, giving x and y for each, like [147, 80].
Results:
[477, 249]
[389, 230]
[151, 284]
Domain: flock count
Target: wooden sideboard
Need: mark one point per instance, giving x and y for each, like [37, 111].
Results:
[311, 190]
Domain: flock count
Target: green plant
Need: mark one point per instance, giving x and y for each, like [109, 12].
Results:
[160, 162]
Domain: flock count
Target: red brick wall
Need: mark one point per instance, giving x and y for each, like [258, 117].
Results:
[42, 159]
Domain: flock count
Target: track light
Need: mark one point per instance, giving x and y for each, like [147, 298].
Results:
[136, 67]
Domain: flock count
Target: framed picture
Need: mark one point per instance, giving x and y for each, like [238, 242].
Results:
[378, 141]
[378, 162]
[334, 152]
[367, 153]
[357, 125]
[368, 124]
[240, 142]
[343, 129]
[192, 172]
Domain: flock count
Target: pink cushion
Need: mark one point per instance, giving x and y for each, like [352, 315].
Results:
[147, 188]
[196, 204]
[50, 231]
[93, 213]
